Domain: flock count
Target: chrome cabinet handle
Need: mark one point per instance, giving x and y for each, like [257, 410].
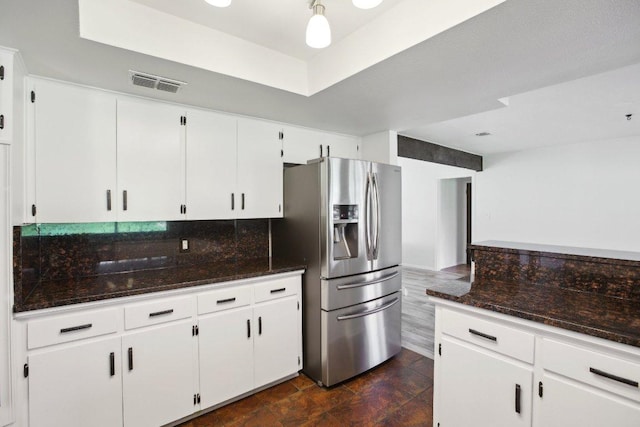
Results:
[368, 282]
[368, 312]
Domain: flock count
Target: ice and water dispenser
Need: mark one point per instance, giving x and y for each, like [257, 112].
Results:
[345, 231]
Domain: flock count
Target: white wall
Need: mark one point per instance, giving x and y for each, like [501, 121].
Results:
[583, 195]
[420, 209]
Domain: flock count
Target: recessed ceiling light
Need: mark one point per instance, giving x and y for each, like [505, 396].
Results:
[483, 134]
[366, 4]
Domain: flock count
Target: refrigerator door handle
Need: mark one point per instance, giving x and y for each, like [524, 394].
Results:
[367, 215]
[376, 197]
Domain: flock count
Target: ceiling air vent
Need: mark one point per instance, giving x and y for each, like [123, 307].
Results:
[155, 82]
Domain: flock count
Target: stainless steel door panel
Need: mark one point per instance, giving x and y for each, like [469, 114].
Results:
[346, 291]
[388, 227]
[360, 337]
[344, 182]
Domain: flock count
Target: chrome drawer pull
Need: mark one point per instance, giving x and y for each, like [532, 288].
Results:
[366, 313]
[483, 335]
[222, 301]
[368, 282]
[160, 313]
[613, 377]
[75, 328]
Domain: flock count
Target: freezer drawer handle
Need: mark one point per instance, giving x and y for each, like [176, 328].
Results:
[368, 282]
[75, 328]
[613, 377]
[483, 335]
[368, 312]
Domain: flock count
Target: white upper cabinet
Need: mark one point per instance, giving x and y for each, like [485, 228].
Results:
[75, 153]
[342, 146]
[259, 170]
[211, 165]
[301, 145]
[150, 161]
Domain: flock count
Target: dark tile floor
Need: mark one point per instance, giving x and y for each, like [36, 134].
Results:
[397, 393]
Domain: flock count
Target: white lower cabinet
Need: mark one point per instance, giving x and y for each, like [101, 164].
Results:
[484, 389]
[495, 370]
[275, 345]
[157, 361]
[226, 355]
[158, 381]
[79, 385]
[569, 403]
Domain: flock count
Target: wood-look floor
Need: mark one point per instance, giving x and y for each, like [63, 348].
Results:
[418, 321]
[397, 393]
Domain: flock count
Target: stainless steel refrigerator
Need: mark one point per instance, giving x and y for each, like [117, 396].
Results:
[343, 219]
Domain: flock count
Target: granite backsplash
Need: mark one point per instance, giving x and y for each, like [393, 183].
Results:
[46, 252]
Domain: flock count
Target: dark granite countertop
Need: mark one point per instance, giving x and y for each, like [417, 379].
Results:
[55, 293]
[598, 315]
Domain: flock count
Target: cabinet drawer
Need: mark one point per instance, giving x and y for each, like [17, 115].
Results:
[591, 367]
[488, 334]
[225, 299]
[273, 289]
[153, 313]
[71, 327]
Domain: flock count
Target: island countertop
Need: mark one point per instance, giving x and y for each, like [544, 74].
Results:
[56, 293]
[579, 290]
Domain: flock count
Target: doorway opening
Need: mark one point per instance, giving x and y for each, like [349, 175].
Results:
[454, 225]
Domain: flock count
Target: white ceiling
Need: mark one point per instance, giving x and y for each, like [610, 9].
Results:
[442, 89]
[279, 25]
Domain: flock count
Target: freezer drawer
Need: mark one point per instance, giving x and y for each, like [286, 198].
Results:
[357, 338]
[351, 290]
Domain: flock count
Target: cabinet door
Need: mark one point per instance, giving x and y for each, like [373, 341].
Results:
[478, 388]
[158, 375]
[76, 386]
[259, 169]
[226, 355]
[300, 145]
[276, 341]
[211, 165]
[75, 140]
[150, 161]
[568, 403]
[341, 146]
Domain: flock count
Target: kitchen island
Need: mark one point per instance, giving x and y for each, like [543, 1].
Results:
[545, 336]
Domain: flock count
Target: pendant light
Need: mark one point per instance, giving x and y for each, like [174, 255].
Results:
[219, 3]
[318, 30]
[366, 4]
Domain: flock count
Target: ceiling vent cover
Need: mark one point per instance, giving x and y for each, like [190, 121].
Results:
[155, 82]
